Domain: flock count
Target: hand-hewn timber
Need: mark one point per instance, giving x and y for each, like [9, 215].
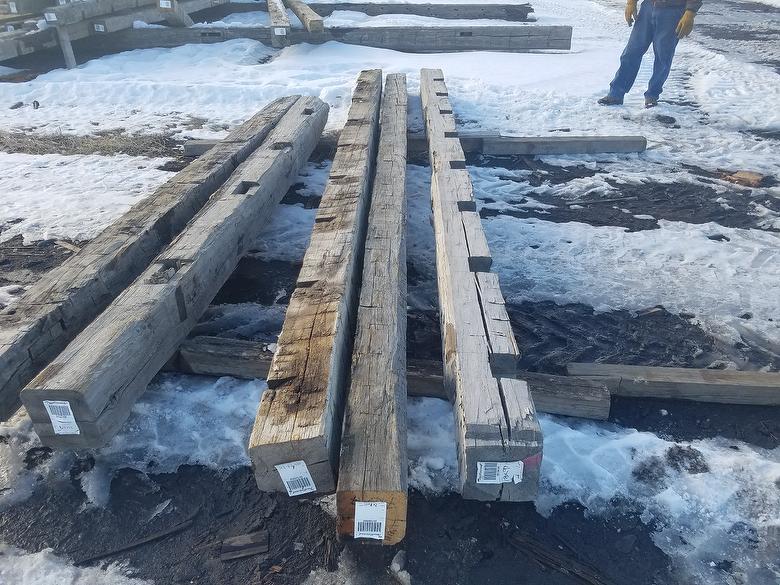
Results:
[498, 436]
[723, 386]
[511, 12]
[373, 463]
[300, 415]
[311, 20]
[53, 311]
[280, 23]
[104, 370]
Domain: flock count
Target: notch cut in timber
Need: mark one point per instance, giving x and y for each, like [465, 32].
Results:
[300, 415]
[53, 311]
[108, 365]
[499, 441]
[373, 463]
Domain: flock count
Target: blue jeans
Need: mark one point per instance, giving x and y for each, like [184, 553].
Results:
[656, 26]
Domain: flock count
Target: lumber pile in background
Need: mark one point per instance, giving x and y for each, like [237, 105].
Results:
[498, 434]
[294, 445]
[53, 311]
[86, 393]
[723, 386]
[371, 497]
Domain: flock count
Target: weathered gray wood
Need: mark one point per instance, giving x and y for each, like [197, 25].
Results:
[53, 311]
[512, 12]
[504, 353]
[373, 463]
[300, 415]
[174, 13]
[104, 370]
[723, 386]
[311, 20]
[280, 23]
[495, 417]
[63, 38]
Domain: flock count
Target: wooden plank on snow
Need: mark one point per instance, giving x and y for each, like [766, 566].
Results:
[311, 20]
[103, 371]
[373, 464]
[702, 385]
[300, 415]
[53, 311]
[498, 435]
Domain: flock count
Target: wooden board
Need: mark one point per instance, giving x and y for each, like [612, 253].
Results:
[53, 311]
[300, 415]
[373, 463]
[280, 23]
[310, 19]
[723, 386]
[104, 370]
[495, 417]
[512, 12]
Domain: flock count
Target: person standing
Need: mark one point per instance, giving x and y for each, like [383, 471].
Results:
[661, 23]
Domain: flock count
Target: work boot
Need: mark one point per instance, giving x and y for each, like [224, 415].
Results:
[651, 102]
[608, 100]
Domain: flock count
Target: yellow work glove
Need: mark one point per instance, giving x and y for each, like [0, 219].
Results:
[685, 26]
[631, 12]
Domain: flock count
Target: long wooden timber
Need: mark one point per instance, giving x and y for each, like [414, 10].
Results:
[418, 39]
[373, 465]
[312, 21]
[511, 12]
[86, 393]
[299, 418]
[498, 436]
[16, 43]
[280, 23]
[53, 311]
[723, 386]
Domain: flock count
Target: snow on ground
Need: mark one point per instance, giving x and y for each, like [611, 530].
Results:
[350, 18]
[72, 197]
[257, 18]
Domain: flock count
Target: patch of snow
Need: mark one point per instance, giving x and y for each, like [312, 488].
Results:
[9, 294]
[259, 18]
[430, 440]
[350, 18]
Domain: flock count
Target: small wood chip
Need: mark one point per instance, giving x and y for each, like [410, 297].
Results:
[244, 545]
[746, 178]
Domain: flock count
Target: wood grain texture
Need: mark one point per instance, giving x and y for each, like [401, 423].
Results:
[280, 23]
[495, 417]
[108, 365]
[311, 20]
[53, 311]
[373, 463]
[723, 386]
[300, 415]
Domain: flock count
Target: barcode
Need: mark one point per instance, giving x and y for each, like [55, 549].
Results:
[296, 484]
[489, 472]
[369, 527]
[60, 410]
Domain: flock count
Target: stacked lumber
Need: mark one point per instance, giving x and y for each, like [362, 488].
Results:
[294, 445]
[371, 497]
[53, 311]
[498, 436]
[86, 393]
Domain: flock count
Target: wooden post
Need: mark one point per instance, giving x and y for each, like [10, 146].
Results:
[280, 23]
[174, 13]
[300, 415]
[82, 398]
[373, 464]
[63, 37]
[53, 311]
[311, 20]
[498, 435]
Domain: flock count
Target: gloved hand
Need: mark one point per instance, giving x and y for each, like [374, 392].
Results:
[630, 12]
[685, 26]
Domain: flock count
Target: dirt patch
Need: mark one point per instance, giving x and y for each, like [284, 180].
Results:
[104, 143]
[23, 264]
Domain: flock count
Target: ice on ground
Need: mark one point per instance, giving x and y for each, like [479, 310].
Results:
[74, 197]
[18, 567]
[430, 442]
[350, 18]
[9, 294]
[258, 18]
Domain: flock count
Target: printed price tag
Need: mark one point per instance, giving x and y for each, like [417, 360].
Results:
[280, 32]
[370, 520]
[166, 4]
[100, 28]
[61, 417]
[50, 17]
[296, 478]
[499, 471]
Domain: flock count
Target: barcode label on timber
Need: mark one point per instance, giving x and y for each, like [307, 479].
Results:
[296, 478]
[499, 471]
[280, 32]
[370, 520]
[50, 17]
[100, 28]
[166, 4]
[61, 416]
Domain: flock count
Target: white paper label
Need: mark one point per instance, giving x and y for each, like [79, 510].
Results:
[296, 477]
[61, 417]
[50, 17]
[100, 28]
[166, 4]
[280, 32]
[370, 520]
[12, 7]
[499, 471]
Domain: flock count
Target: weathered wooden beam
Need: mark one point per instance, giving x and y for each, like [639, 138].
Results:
[723, 386]
[280, 23]
[498, 435]
[511, 12]
[174, 13]
[373, 464]
[54, 310]
[63, 38]
[92, 385]
[300, 415]
[311, 20]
